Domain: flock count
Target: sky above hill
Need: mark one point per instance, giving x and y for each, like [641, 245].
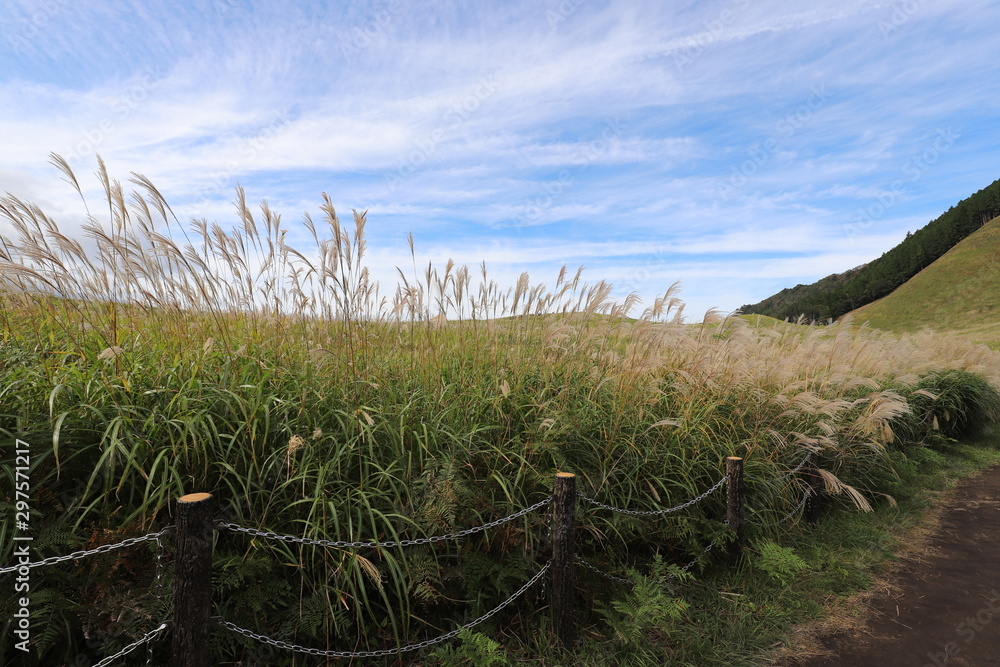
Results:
[738, 146]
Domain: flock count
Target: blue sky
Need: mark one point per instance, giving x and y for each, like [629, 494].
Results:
[739, 146]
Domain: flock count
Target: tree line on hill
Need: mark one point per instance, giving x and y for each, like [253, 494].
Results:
[839, 294]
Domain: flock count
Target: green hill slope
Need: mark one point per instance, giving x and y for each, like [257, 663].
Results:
[960, 292]
[838, 294]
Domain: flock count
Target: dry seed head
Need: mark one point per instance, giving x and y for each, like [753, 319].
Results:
[294, 443]
[110, 353]
[370, 569]
[833, 485]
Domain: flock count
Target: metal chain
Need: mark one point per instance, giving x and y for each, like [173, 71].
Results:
[384, 652]
[128, 649]
[157, 591]
[684, 568]
[697, 558]
[805, 497]
[799, 467]
[612, 577]
[399, 543]
[787, 517]
[787, 475]
[82, 554]
[654, 512]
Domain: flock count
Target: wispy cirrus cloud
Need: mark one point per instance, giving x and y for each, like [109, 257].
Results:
[484, 130]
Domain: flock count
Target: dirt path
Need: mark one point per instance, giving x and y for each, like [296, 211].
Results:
[943, 607]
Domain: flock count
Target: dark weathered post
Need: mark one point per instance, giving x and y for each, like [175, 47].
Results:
[734, 504]
[563, 580]
[193, 580]
[814, 504]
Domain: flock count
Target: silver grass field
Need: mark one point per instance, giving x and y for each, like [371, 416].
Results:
[152, 357]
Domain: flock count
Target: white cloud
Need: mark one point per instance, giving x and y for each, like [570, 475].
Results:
[485, 129]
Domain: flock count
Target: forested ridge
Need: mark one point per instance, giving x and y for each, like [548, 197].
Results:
[838, 294]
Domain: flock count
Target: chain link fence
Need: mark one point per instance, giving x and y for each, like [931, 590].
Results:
[682, 506]
[376, 544]
[801, 504]
[83, 554]
[147, 639]
[383, 652]
[77, 555]
[629, 582]
[152, 635]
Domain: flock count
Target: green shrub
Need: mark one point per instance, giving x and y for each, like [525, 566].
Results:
[964, 403]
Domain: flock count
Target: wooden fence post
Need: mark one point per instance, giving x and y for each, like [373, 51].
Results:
[563, 579]
[734, 505]
[815, 501]
[193, 580]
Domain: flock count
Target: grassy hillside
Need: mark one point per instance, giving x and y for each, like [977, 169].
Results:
[960, 293]
[811, 301]
[836, 295]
